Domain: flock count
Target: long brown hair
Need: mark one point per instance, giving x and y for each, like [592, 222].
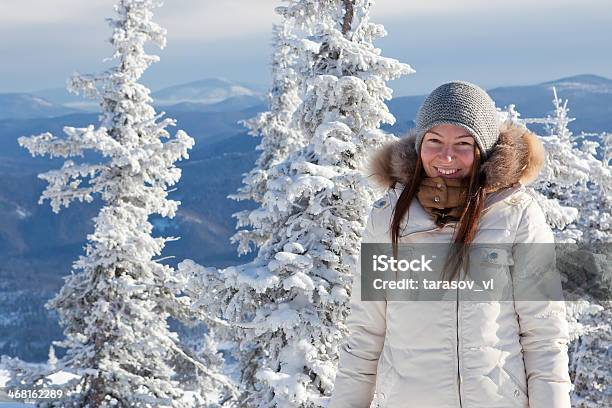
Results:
[468, 223]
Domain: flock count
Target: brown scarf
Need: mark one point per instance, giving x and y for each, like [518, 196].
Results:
[443, 199]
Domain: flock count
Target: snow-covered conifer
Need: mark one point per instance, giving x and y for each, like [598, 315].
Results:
[562, 172]
[510, 115]
[115, 304]
[559, 216]
[291, 302]
[606, 139]
[594, 198]
[52, 359]
[278, 136]
[576, 179]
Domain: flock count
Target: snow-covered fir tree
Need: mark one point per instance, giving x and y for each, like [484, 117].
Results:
[510, 115]
[590, 337]
[576, 179]
[558, 161]
[115, 303]
[291, 302]
[205, 349]
[594, 198]
[562, 173]
[279, 138]
[590, 373]
[52, 359]
[606, 138]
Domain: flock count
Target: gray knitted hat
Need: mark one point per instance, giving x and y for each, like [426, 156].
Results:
[463, 104]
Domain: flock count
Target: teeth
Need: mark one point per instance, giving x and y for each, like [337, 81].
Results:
[447, 171]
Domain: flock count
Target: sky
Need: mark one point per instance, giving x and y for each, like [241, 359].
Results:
[491, 43]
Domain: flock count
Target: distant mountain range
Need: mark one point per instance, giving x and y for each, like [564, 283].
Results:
[210, 95]
[206, 92]
[590, 101]
[233, 103]
[37, 247]
[24, 105]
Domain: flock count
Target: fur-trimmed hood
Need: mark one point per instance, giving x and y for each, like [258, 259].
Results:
[517, 157]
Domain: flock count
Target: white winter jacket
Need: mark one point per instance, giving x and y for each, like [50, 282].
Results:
[444, 354]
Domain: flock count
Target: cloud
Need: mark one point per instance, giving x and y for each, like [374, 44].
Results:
[224, 37]
[211, 20]
[26, 12]
[433, 8]
[206, 20]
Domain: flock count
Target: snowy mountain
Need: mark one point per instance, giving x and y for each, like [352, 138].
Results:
[230, 104]
[61, 96]
[583, 83]
[207, 91]
[590, 100]
[207, 95]
[24, 106]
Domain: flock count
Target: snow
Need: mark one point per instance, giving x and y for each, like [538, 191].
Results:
[258, 277]
[584, 87]
[208, 91]
[326, 106]
[115, 304]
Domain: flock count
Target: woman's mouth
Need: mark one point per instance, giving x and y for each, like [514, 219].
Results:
[446, 172]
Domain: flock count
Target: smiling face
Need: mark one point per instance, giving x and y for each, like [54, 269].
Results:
[447, 151]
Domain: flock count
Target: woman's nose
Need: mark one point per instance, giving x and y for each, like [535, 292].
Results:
[447, 154]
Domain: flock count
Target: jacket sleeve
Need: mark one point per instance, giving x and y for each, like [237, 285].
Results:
[356, 376]
[544, 333]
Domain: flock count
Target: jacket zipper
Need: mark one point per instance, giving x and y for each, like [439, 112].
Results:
[458, 360]
[456, 315]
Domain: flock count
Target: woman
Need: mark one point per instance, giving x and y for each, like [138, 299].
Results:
[458, 178]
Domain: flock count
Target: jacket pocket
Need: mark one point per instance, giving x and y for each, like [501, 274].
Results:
[495, 256]
[508, 386]
[490, 269]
